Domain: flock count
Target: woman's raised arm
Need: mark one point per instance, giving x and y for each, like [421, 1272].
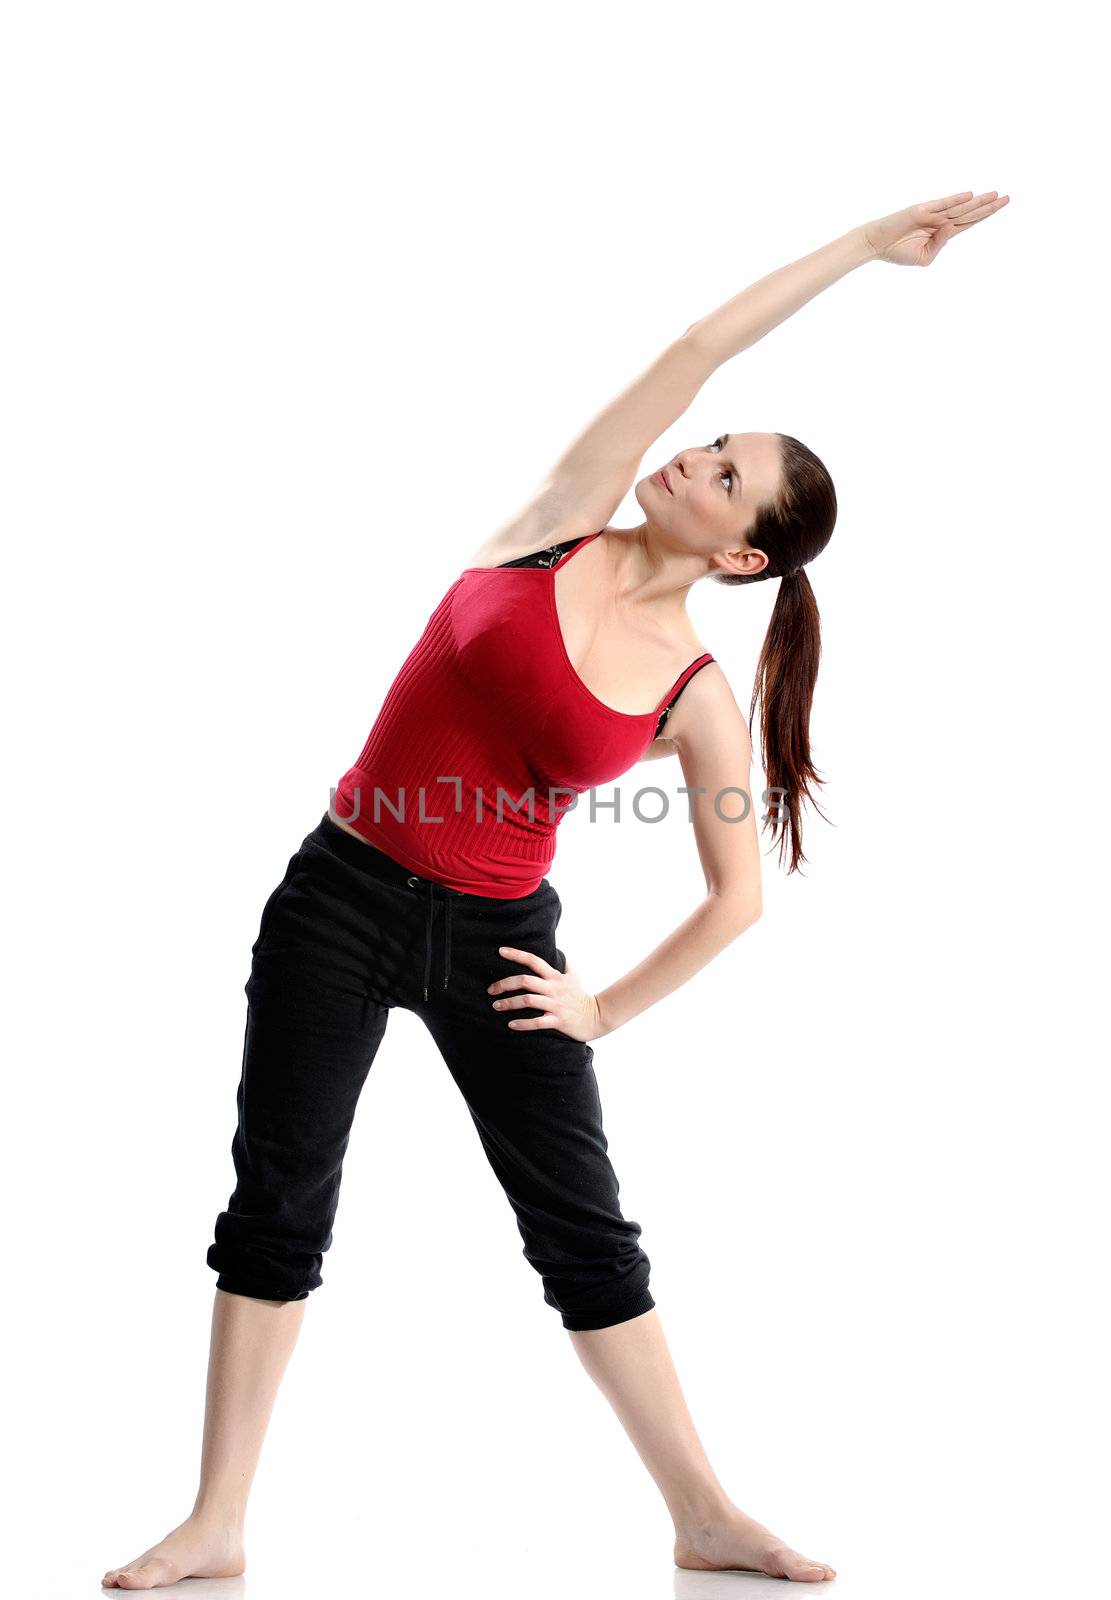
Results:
[596, 472]
[593, 476]
[908, 238]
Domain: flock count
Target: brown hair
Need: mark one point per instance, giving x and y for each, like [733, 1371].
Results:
[791, 531]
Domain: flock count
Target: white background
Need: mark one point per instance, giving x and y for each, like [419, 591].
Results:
[301, 302]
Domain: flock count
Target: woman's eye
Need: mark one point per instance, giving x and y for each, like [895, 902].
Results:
[715, 446]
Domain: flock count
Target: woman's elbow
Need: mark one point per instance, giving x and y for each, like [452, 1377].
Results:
[753, 911]
[745, 907]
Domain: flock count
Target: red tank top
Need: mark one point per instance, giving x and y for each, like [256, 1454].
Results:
[486, 736]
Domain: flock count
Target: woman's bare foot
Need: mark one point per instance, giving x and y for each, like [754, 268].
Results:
[200, 1547]
[731, 1541]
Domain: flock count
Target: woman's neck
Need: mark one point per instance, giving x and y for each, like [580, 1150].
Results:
[646, 575]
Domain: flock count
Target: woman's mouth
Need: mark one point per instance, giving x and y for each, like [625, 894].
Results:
[661, 478]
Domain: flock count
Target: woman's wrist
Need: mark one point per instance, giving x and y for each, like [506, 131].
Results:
[866, 248]
[600, 1022]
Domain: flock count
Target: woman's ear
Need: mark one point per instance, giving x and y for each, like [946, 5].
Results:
[741, 562]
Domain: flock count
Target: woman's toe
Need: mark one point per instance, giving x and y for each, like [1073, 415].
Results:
[807, 1569]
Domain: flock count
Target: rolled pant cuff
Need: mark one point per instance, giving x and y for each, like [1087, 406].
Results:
[256, 1290]
[587, 1321]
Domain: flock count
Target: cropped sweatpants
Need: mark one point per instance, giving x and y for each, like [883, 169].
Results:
[347, 935]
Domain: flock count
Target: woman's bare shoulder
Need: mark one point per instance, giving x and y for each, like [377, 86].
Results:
[707, 709]
[544, 520]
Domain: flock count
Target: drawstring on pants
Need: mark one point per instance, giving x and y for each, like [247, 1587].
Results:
[430, 887]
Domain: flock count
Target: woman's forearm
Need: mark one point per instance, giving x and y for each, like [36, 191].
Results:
[693, 945]
[740, 322]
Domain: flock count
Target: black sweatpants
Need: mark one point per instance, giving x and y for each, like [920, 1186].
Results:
[348, 934]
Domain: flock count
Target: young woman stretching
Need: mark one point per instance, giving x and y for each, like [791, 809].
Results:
[558, 659]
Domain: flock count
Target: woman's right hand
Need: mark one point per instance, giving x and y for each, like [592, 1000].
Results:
[913, 237]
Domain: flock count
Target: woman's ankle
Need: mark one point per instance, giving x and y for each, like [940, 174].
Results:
[700, 1510]
[220, 1511]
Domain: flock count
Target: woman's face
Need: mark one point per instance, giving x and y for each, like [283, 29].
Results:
[711, 497]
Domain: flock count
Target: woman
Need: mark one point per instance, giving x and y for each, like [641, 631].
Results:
[560, 657]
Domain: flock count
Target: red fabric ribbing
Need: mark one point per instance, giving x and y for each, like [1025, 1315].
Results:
[488, 699]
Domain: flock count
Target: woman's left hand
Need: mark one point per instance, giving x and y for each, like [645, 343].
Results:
[559, 995]
[912, 238]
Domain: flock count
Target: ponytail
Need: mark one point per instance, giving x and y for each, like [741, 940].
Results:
[791, 531]
[784, 685]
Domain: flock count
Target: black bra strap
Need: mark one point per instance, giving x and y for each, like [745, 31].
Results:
[671, 702]
[545, 558]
